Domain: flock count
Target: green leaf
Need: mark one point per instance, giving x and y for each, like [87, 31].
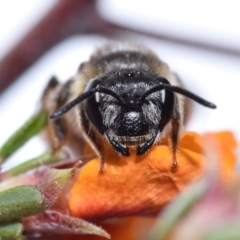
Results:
[53, 181]
[10, 231]
[32, 127]
[48, 180]
[21, 201]
[44, 159]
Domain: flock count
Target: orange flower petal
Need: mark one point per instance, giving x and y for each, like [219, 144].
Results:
[137, 185]
[223, 147]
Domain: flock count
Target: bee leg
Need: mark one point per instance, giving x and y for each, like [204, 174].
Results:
[174, 132]
[90, 137]
[54, 97]
[59, 129]
[102, 165]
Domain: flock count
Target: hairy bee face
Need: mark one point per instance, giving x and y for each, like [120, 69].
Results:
[131, 122]
[128, 117]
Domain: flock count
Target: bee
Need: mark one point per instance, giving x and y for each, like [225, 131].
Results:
[123, 98]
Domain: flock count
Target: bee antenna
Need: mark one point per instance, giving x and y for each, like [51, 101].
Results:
[84, 96]
[164, 84]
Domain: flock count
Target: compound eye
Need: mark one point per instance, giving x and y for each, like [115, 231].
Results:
[167, 109]
[91, 106]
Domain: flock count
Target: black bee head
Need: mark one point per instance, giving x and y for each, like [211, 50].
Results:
[133, 125]
[128, 107]
[131, 119]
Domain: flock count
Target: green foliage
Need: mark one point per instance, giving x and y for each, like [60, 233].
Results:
[33, 126]
[11, 231]
[21, 201]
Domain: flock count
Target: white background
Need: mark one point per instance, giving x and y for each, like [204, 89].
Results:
[213, 76]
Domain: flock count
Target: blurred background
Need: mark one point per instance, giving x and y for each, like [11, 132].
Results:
[41, 38]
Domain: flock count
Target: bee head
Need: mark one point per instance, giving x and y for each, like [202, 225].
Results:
[129, 107]
[134, 118]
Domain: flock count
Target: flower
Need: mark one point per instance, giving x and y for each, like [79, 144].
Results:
[144, 185]
[135, 196]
